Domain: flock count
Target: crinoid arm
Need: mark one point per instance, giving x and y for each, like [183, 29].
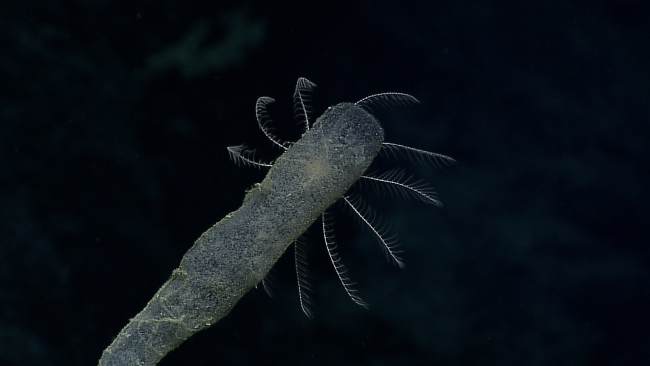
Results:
[240, 155]
[267, 283]
[424, 157]
[378, 228]
[263, 121]
[301, 100]
[340, 269]
[386, 100]
[304, 288]
[396, 182]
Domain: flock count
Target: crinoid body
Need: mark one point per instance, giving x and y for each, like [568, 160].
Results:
[394, 182]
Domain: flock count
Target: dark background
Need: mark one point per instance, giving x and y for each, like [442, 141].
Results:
[114, 122]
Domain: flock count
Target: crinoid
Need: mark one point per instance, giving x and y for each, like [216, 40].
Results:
[395, 182]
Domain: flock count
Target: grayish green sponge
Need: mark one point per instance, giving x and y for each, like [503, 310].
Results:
[236, 253]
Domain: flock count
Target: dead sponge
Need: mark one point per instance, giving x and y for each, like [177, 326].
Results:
[236, 253]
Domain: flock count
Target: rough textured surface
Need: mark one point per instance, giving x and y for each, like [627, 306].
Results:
[235, 254]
